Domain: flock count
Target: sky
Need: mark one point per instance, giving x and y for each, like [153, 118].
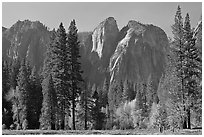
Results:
[89, 15]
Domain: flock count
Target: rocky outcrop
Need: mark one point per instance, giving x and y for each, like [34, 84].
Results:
[98, 49]
[103, 37]
[197, 34]
[3, 29]
[135, 50]
[26, 39]
[140, 52]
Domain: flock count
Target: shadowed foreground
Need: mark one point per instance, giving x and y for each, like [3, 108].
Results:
[105, 132]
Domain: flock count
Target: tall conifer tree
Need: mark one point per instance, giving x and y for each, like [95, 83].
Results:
[24, 89]
[191, 68]
[75, 66]
[49, 105]
[35, 99]
[60, 73]
[178, 42]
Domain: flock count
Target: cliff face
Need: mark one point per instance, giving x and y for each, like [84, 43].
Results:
[26, 39]
[98, 48]
[137, 50]
[197, 34]
[103, 38]
[140, 52]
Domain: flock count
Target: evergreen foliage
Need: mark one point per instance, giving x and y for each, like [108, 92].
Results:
[83, 117]
[49, 105]
[35, 99]
[97, 117]
[191, 68]
[74, 67]
[56, 64]
[24, 92]
[6, 85]
[178, 42]
[16, 64]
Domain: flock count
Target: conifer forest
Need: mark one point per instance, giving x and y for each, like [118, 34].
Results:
[109, 80]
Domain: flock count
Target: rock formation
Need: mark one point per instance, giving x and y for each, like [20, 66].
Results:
[140, 52]
[98, 49]
[26, 39]
[137, 50]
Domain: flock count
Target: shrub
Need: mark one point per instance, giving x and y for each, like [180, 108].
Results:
[144, 122]
[4, 126]
[109, 124]
[125, 115]
[175, 114]
[18, 127]
[136, 115]
[130, 116]
[153, 115]
[25, 124]
[12, 126]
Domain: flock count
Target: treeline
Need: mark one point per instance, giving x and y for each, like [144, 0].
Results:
[58, 98]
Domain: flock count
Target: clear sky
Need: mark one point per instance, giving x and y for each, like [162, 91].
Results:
[89, 15]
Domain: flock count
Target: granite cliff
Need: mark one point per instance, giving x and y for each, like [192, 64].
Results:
[140, 52]
[137, 50]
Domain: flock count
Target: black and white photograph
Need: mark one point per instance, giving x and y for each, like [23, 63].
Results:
[101, 68]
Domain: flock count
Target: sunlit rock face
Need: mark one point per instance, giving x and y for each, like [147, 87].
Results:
[103, 37]
[99, 47]
[197, 34]
[140, 52]
[137, 50]
[26, 39]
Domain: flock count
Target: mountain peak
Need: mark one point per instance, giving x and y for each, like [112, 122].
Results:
[3, 29]
[27, 24]
[110, 20]
[105, 30]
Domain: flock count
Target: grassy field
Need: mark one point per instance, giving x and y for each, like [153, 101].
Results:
[101, 132]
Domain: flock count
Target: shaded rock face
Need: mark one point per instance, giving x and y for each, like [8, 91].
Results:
[140, 52]
[3, 29]
[103, 37]
[197, 34]
[99, 47]
[137, 50]
[26, 39]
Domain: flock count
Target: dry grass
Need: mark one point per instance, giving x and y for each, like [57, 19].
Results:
[103, 132]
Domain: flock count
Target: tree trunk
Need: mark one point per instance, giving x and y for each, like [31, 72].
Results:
[62, 124]
[73, 111]
[185, 124]
[189, 118]
[85, 124]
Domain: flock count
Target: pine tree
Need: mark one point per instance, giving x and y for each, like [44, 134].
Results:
[61, 73]
[86, 103]
[48, 62]
[6, 85]
[128, 92]
[119, 93]
[178, 42]
[105, 92]
[138, 100]
[24, 89]
[150, 91]
[49, 105]
[112, 100]
[35, 99]
[98, 117]
[16, 64]
[191, 68]
[28, 67]
[75, 66]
